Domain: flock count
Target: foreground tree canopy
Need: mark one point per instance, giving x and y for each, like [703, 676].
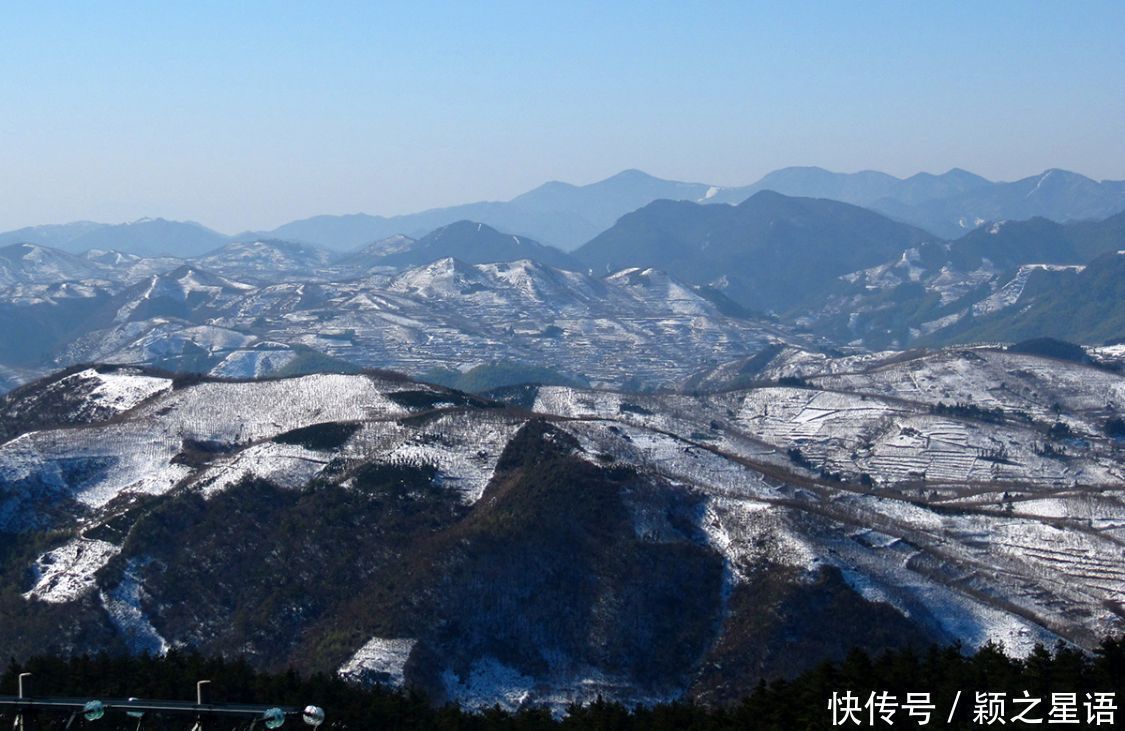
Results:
[798, 703]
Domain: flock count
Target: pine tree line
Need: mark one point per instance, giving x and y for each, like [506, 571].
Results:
[798, 703]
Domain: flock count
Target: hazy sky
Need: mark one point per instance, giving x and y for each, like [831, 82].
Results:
[249, 114]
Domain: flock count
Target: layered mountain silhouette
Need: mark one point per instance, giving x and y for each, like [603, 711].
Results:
[55, 234]
[147, 237]
[257, 261]
[566, 216]
[1039, 240]
[953, 203]
[863, 188]
[840, 272]
[557, 213]
[949, 205]
[771, 252]
[942, 292]
[475, 243]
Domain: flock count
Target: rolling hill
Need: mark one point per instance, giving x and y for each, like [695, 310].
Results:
[771, 252]
[643, 548]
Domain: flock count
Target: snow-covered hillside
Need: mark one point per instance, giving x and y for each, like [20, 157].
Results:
[638, 326]
[951, 521]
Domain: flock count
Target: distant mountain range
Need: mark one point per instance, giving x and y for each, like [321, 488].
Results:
[671, 288]
[252, 310]
[560, 214]
[971, 288]
[267, 261]
[956, 202]
[863, 188]
[146, 237]
[30, 263]
[567, 216]
[564, 215]
[475, 243]
[771, 252]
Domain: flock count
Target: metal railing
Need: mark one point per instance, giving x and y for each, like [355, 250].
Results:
[25, 708]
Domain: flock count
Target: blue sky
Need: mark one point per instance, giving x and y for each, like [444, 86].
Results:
[249, 114]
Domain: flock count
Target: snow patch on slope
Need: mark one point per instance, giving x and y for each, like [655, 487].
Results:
[92, 465]
[254, 363]
[489, 682]
[285, 465]
[749, 533]
[379, 661]
[67, 572]
[264, 409]
[122, 390]
[123, 604]
[464, 451]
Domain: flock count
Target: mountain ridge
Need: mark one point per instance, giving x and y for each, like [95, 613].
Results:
[758, 252]
[475, 243]
[567, 215]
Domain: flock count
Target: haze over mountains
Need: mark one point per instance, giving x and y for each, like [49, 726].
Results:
[475, 243]
[767, 253]
[146, 237]
[956, 202]
[567, 216]
[942, 292]
[670, 288]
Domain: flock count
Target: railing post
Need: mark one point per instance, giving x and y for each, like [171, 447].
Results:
[22, 722]
[202, 691]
